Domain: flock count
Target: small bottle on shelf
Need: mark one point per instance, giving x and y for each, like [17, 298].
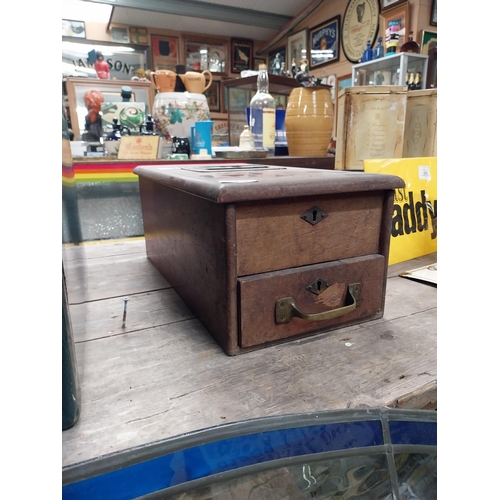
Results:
[411, 82]
[411, 45]
[418, 81]
[378, 52]
[246, 139]
[368, 53]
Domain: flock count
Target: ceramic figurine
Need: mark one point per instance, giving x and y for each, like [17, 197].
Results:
[102, 67]
[93, 121]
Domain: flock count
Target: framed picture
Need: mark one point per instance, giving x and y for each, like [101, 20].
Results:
[387, 4]
[210, 54]
[73, 28]
[344, 82]
[120, 35]
[213, 96]
[223, 97]
[428, 42]
[296, 48]
[275, 59]
[241, 55]
[324, 42]
[401, 14]
[164, 52]
[138, 35]
[434, 16]
[257, 61]
[111, 92]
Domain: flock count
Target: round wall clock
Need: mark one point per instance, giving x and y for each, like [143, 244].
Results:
[360, 25]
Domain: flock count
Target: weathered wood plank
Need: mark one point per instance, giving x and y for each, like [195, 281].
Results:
[98, 319]
[161, 382]
[114, 276]
[401, 267]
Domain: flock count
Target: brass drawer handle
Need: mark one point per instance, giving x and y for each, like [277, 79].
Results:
[285, 308]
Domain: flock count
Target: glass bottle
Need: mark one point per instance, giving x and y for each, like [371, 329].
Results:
[368, 53]
[418, 81]
[246, 139]
[411, 82]
[378, 52]
[411, 45]
[263, 114]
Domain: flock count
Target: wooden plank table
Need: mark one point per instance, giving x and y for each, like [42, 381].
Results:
[163, 374]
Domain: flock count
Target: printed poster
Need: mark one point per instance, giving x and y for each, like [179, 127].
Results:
[414, 219]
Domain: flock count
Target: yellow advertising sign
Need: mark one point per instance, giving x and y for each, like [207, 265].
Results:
[414, 219]
[138, 147]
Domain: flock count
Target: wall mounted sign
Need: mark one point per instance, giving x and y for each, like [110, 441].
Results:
[360, 25]
[324, 42]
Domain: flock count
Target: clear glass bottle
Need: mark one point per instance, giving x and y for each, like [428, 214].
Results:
[246, 139]
[263, 114]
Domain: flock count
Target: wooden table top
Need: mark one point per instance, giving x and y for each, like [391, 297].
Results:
[163, 374]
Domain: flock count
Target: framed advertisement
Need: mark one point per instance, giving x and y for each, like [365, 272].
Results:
[165, 52]
[206, 54]
[138, 35]
[213, 96]
[296, 48]
[241, 55]
[324, 42]
[73, 28]
[400, 14]
[275, 59]
[360, 25]
[111, 92]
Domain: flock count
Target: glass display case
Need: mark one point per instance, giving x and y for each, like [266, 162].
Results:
[239, 94]
[403, 69]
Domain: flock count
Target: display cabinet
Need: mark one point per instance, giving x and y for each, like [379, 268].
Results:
[405, 68]
[239, 94]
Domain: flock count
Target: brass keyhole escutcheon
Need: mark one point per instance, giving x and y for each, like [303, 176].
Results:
[314, 215]
[318, 286]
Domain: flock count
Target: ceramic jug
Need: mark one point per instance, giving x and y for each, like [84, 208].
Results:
[163, 80]
[196, 82]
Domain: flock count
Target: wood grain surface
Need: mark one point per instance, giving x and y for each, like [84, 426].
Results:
[164, 375]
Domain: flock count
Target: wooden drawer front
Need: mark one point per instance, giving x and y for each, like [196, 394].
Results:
[273, 235]
[258, 296]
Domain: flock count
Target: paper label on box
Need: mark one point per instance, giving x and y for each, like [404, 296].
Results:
[424, 172]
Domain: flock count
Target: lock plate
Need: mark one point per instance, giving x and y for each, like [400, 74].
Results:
[318, 286]
[314, 215]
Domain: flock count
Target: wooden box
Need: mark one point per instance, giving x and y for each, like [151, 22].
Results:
[263, 254]
[420, 124]
[370, 125]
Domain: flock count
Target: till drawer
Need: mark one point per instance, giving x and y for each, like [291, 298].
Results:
[328, 295]
[307, 230]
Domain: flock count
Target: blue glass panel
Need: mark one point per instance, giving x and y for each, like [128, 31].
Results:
[417, 433]
[220, 456]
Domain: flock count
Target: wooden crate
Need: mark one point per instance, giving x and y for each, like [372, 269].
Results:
[371, 122]
[420, 124]
[264, 254]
